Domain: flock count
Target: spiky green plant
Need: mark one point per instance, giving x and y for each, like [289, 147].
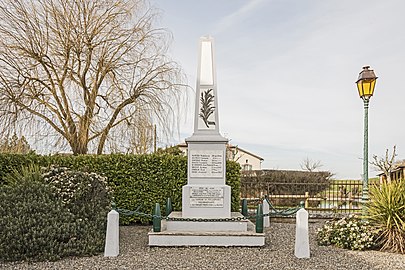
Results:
[386, 210]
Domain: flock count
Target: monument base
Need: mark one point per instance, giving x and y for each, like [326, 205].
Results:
[194, 233]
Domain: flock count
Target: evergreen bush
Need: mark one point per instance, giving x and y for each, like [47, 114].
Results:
[47, 218]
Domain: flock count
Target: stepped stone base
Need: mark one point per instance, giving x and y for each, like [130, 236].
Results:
[193, 233]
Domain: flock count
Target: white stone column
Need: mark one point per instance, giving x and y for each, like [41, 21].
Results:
[302, 234]
[112, 243]
[266, 210]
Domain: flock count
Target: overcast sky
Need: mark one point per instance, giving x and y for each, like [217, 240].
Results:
[286, 72]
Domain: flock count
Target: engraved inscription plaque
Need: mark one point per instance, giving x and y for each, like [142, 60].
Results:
[207, 163]
[207, 202]
[206, 197]
[208, 192]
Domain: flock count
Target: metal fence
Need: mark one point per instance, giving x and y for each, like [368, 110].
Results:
[341, 196]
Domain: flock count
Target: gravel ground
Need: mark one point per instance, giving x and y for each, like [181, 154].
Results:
[278, 253]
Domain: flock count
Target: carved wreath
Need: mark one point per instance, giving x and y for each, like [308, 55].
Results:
[207, 108]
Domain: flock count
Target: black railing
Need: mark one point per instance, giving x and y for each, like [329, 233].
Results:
[341, 196]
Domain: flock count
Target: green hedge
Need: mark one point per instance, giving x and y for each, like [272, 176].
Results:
[136, 180]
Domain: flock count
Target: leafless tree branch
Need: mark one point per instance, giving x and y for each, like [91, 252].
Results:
[310, 165]
[386, 163]
[84, 67]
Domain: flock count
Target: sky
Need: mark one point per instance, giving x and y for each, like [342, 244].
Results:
[286, 72]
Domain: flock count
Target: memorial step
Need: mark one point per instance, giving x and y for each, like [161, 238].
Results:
[233, 224]
[211, 237]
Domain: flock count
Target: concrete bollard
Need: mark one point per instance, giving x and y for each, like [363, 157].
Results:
[112, 242]
[302, 234]
[266, 211]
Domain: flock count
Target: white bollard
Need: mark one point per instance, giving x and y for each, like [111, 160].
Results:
[266, 210]
[112, 242]
[301, 234]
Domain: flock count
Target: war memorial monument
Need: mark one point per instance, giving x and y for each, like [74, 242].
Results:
[206, 218]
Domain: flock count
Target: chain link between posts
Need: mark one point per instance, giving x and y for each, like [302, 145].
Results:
[273, 212]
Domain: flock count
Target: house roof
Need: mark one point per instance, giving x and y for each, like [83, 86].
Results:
[247, 152]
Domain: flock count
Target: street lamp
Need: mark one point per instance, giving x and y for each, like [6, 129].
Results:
[365, 85]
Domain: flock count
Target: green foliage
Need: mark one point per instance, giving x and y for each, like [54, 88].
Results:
[172, 150]
[137, 180]
[85, 194]
[10, 163]
[349, 233]
[386, 211]
[233, 180]
[40, 223]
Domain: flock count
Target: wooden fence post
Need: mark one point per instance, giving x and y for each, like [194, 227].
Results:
[306, 199]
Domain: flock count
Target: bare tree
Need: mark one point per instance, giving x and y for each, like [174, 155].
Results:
[15, 145]
[138, 137]
[385, 164]
[84, 68]
[310, 165]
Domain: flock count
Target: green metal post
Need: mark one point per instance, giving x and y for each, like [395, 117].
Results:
[156, 219]
[113, 206]
[244, 208]
[259, 219]
[364, 197]
[169, 207]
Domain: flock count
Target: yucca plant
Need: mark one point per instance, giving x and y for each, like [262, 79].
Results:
[386, 210]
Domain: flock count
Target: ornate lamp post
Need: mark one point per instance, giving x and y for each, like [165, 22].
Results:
[365, 85]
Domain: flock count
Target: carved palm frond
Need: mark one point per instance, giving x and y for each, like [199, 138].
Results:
[207, 108]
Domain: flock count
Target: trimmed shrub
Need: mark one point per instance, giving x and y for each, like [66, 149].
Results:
[137, 180]
[386, 210]
[349, 233]
[144, 180]
[41, 224]
[233, 180]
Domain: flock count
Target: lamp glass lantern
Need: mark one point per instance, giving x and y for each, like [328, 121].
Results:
[366, 82]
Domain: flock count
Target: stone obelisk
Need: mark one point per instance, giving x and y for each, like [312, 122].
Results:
[206, 194]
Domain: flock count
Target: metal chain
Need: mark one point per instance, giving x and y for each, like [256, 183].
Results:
[286, 212]
[273, 212]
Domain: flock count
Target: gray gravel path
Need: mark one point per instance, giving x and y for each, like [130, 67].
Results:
[278, 253]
